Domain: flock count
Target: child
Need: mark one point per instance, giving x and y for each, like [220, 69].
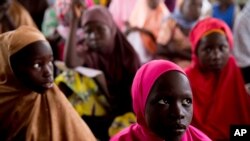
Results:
[220, 99]
[31, 106]
[104, 48]
[163, 107]
[173, 43]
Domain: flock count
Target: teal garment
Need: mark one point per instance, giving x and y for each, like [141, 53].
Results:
[50, 22]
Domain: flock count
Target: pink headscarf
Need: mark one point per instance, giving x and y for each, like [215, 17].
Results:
[142, 84]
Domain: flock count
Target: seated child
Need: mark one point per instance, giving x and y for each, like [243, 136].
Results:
[163, 107]
[220, 99]
[31, 106]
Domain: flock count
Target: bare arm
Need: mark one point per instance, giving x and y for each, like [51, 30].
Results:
[70, 55]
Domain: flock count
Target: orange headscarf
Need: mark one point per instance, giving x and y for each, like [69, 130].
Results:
[220, 99]
[27, 115]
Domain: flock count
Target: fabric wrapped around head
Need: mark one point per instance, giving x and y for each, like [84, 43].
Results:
[144, 81]
[10, 43]
[99, 14]
[208, 24]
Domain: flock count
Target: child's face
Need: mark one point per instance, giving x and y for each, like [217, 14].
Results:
[33, 66]
[169, 108]
[191, 9]
[97, 36]
[213, 52]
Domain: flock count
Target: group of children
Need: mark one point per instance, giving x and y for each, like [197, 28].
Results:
[198, 103]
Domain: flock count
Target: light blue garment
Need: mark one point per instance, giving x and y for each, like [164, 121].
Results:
[179, 18]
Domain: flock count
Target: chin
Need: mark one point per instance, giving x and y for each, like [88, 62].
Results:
[216, 67]
[173, 137]
[95, 48]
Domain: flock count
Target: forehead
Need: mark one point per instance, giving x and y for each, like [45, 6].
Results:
[95, 24]
[213, 38]
[173, 83]
[34, 50]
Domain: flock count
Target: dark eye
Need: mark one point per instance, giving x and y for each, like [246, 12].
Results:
[87, 31]
[208, 50]
[187, 102]
[37, 65]
[223, 47]
[163, 101]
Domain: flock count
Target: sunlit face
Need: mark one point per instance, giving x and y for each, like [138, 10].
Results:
[97, 36]
[153, 3]
[213, 52]
[33, 66]
[169, 108]
[191, 9]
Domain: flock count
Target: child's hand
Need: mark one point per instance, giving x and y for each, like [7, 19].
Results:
[77, 8]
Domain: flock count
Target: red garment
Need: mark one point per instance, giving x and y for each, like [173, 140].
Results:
[219, 99]
[143, 82]
[119, 63]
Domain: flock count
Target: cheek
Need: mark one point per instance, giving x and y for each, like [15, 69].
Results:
[226, 57]
[107, 36]
[189, 114]
[156, 115]
[202, 59]
[31, 76]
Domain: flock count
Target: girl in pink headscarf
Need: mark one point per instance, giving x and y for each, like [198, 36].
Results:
[163, 107]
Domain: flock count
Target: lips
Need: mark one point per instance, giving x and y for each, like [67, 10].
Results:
[48, 83]
[216, 65]
[179, 128]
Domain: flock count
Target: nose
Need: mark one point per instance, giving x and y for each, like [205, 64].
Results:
[48, 70]
[92, 35]
[177, 111]
[215, 54]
